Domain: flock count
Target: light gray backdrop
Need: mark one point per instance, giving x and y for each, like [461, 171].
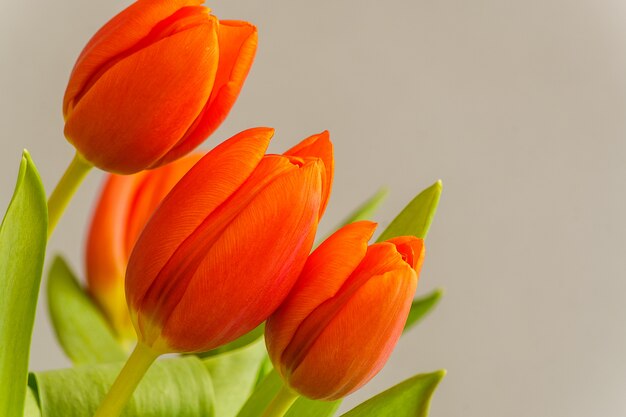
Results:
[519, 106]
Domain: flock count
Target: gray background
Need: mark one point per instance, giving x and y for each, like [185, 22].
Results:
[517, 105]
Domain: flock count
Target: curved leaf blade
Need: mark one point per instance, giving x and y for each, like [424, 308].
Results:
[303, 407]
[245, 340]
[363, 212]
[264, 370]
[421, 307]
[23, 238]
[415, 219]
[31, 408]
[410, 398]
[234, 375]
[178, 387]
[367, 208]
[80, 326]
[262, 396]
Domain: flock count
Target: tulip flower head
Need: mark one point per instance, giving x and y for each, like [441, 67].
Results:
[228, 242]
[344, 316]
[154, 82]
[124, 207]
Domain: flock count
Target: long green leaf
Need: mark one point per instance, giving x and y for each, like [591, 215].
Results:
[245, 340]
[23, 236]
[363, 212]
[31, 408]
[178, 387]
[421, 307]
[80, 326]
[262, 396]
[234, 375]
[303, 407]
[264, 370]
[410, 398]
[417, 216]
[367, 209]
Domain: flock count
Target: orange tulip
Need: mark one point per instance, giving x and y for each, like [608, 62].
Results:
[339, 324]
[228, 243]
[154, 82]
[125, 205]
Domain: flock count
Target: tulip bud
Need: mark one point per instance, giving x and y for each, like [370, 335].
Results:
[154, 82]
[227, 244]
[125, 205]
[341, 321]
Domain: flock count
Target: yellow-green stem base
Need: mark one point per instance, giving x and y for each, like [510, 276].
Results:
[126, 383]
[65, 189]
[281, 403]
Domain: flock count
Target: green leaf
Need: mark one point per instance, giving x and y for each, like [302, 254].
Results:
[410, 398]
[80, 326]
[234, 375]
[262, 396]
[417, 216]
[31, 408]
[367, 208]
[23, 237]
[421, 307]
[363, 212]
[245, 340]
[178, 387]
[303, 407]
[265, 368]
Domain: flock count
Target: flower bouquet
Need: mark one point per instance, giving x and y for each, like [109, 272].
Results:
[209, 257]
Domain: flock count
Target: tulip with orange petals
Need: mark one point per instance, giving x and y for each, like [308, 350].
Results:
[124, 207]
[338, 326]
[222, 250]
[228, 243]
[154, 82]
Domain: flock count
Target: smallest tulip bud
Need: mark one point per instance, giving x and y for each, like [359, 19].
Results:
[340, 323]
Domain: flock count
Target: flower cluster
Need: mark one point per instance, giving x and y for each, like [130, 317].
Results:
[188, 252]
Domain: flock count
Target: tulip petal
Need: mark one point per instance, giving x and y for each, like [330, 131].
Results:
[125, 205]
[205, 187]
[239, 284]
[157, 79]
[412, 250]
[318, 146]
[379, 259]
[137, 20]
[105, 257]
[237, 44]
[341, 360]
[155, 186]
[170, 284]
[324, 273]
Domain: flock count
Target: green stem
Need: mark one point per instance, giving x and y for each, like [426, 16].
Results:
[281, 403]
[65, 189]
[126, 383]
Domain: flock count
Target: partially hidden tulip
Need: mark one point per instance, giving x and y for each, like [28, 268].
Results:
[340, 323]
[227, 244]
[154, 82]
[125, 204]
